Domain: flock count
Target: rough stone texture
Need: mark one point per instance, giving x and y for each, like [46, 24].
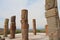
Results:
[52, 19]
[24, 24]
[51, 13]
[34, 26]
[46, 28]
[6, 27]
[50, 4]
[12, 27]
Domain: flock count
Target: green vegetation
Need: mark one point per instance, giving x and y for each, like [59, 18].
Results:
[38, 31]
[41, 31]
[19, 31]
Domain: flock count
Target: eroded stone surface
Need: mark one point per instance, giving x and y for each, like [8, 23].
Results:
[52, 12]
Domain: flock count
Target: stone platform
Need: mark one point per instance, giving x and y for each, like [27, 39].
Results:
[39, 36]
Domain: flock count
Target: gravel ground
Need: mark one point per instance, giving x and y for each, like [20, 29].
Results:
[39, 36]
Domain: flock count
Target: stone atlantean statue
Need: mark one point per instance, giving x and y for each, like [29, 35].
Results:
[6, 24]
[13, 27]
[52, 19]
[24, 24]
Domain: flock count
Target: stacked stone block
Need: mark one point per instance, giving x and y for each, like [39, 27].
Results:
[34, 26]
[24, 24]
[13, 27]
[46, 28]
[6, 27]
[52, 19]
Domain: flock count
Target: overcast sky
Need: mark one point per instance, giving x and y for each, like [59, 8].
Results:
[36, 10]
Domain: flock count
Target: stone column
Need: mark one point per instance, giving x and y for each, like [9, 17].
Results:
[46, 29]
[6, 27]
[12, 27]
[52, 18]
[34, 26]
[24, 24]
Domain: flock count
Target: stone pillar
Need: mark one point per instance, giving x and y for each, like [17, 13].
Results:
[12, 27]
[6, 27]
[24, 24]
[34, 26]
[46, 29]
[52, 18]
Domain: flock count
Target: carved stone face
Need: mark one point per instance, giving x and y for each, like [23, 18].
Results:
[24, 14]
[50, 4]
